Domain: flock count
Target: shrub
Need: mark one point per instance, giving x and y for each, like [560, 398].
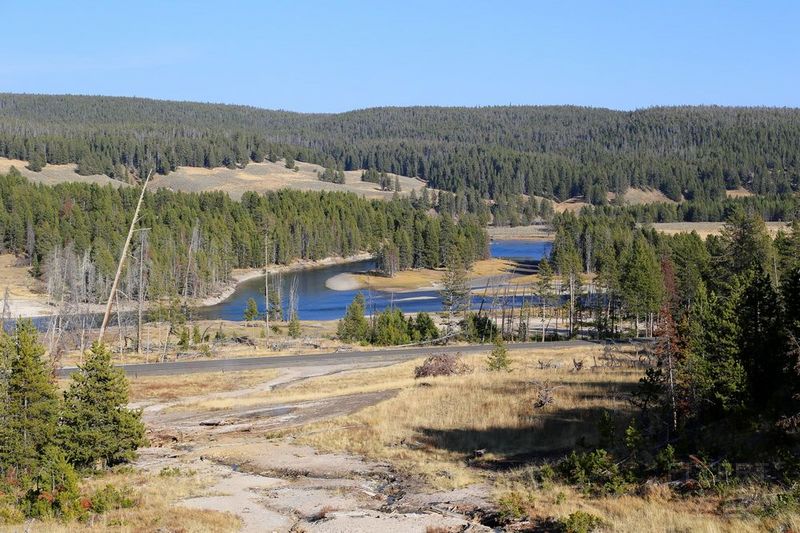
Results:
[580, 522]
[498, 359]
[595, 472]
[512, 506]
[442, 364]
[54, 489]
[109, 498]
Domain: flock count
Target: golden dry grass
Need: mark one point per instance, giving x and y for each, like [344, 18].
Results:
[155, 510]
[430, 429]
[433, 425]
[656, 511]
[166, 388]
[533, 232]
[341, 384]
[18, 279]
[267, 176]
[704, 229]
[421, 278]
[741, 192]
[54, 174]
[635, 196]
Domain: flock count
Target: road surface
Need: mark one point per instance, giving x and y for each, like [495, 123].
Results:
[387, 355]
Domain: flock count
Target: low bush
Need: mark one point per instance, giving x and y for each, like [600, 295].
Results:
[109, 498]
[580, 522]
[442, 364]
[595, 472]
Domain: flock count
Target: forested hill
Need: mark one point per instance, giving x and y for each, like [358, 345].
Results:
[556, 152]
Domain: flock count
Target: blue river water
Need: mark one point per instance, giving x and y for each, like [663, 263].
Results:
[317, 302]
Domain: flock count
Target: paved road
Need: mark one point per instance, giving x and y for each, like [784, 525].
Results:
[388, 355]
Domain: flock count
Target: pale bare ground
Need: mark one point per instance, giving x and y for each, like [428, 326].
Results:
[533, 232]
[55, 174]
[704, 229]
[25, 293]
[423, 278]
[634, 196]
[741, 192]
[272, 482]
[370, 448]
[267, 176]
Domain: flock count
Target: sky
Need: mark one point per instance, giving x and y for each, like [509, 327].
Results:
[332, 56]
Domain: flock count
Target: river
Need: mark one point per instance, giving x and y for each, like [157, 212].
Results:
[318, 302]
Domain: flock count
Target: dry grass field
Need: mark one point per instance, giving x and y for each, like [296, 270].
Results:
[424, 278]
[55, 174]
[25, 293]
[704, 229]
[169, 388]
[155, 495]
[432, 427]
[267, 176]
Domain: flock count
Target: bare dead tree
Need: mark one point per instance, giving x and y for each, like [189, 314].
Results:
[266, 288]
[140, 292]
[6, 314]
[123, 255]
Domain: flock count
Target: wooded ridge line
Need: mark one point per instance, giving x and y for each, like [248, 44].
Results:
[555, 152]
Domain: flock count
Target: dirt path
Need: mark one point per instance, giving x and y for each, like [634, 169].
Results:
[274, 484]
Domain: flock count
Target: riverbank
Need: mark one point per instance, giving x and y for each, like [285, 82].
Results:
[242, 275]
[533, 232]
[419, 279]
[23, 293]
[26, 297]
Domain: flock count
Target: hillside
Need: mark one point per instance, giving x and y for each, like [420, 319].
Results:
[268, 176]
[557, 152]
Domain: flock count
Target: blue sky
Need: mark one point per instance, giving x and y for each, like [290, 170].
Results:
[340, 55]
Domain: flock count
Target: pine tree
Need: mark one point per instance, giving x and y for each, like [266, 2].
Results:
[251, 311]
[54, 491]
[294, 326]
[544, 291]
[498, 358]
[455, 292]
[642, 287]
[353, 327]
[31, 405]
[97, 427]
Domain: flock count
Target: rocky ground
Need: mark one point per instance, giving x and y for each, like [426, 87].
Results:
[274, 484]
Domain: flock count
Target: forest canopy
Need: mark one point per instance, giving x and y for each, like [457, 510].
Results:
[556, 152]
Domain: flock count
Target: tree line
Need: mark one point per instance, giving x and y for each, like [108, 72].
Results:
[555, 152]
[189, 244]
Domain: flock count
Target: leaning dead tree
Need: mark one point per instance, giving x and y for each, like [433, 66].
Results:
[122, 257]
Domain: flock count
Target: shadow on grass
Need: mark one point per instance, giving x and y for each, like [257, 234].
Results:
[546, 435]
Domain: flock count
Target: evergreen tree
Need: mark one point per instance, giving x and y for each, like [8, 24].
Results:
[31, 406]
[455, 292]
[642, 288]
[54, 491]
[390, 328]
[294, 326]
[544, 290]
[353, 326]
[96, 425]
[251, 311]
[498, 358]
[275, 305]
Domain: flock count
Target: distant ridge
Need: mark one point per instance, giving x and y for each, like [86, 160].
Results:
[558, 152]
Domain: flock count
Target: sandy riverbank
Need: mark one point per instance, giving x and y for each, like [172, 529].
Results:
[27, 299]
[533, 232]
[242, 275]
[421, 279]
